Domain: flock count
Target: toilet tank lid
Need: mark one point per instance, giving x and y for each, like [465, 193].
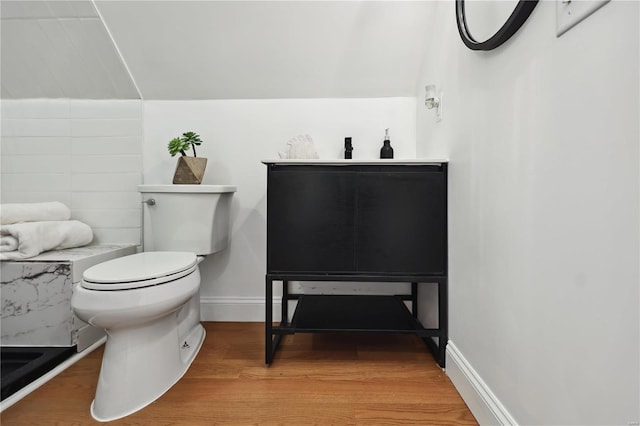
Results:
[212, 189]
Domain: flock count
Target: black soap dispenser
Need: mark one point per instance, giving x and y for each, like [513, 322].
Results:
[348, 148]
[386, 151]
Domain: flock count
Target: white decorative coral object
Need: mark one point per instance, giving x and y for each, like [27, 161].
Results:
[301, 146]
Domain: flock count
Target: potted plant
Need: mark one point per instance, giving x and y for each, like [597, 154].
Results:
[189, 170]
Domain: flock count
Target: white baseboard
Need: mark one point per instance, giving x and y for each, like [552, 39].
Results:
[484, 405]
[236, 309]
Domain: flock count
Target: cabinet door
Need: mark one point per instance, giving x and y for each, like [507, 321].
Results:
[310, 220]
[401, 219]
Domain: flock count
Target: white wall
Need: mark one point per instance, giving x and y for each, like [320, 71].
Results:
[85, 154]
[543, 139]
[237, 135]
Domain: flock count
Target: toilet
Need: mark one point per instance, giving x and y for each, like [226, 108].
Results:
[148, 303]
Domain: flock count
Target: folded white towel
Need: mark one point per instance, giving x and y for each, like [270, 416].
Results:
[33, 212]
[24, 240]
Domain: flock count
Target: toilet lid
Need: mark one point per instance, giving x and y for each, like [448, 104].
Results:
[139, 270]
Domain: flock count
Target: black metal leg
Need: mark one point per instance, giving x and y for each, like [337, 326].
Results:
[443, 320]
[414, 299]
[285, 302]
[268, 321]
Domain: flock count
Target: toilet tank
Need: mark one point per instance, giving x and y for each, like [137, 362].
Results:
[194, 218]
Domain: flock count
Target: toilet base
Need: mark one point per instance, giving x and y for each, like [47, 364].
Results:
[137, 370]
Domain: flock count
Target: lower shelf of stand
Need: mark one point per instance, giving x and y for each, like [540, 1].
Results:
[331, 313]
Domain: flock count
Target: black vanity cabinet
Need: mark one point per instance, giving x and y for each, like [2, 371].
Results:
[379, 221]
[310, 219]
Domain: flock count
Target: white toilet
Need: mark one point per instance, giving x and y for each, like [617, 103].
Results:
[148, 303]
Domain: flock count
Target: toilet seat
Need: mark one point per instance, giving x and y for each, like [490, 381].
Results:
[139, 270]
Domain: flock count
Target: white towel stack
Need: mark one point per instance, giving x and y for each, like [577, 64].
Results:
[29, 229]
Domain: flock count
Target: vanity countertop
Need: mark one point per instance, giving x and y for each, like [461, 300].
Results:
[343, 162]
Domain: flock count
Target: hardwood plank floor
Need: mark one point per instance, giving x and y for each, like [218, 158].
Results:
[315, 379]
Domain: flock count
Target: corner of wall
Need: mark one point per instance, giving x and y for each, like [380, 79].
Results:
[484, 405]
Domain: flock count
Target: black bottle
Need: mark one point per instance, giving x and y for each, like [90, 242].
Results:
[386, 151]
[347, 148]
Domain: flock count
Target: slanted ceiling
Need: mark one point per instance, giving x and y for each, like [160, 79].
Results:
[178, 50]
[59, 49]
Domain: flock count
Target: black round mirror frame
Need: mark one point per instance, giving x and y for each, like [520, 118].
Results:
[519, 15]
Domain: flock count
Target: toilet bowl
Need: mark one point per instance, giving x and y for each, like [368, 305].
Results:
[148, 303]
[153, 332]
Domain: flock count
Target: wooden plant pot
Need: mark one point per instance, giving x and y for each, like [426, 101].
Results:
[190, 170]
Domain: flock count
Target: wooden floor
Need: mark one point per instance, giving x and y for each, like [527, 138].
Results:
[315, 379]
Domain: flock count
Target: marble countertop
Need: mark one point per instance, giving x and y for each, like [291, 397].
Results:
[78, 253]
[81, 258]
[360, 162]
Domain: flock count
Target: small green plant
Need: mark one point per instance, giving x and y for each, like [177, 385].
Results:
[183, 143]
